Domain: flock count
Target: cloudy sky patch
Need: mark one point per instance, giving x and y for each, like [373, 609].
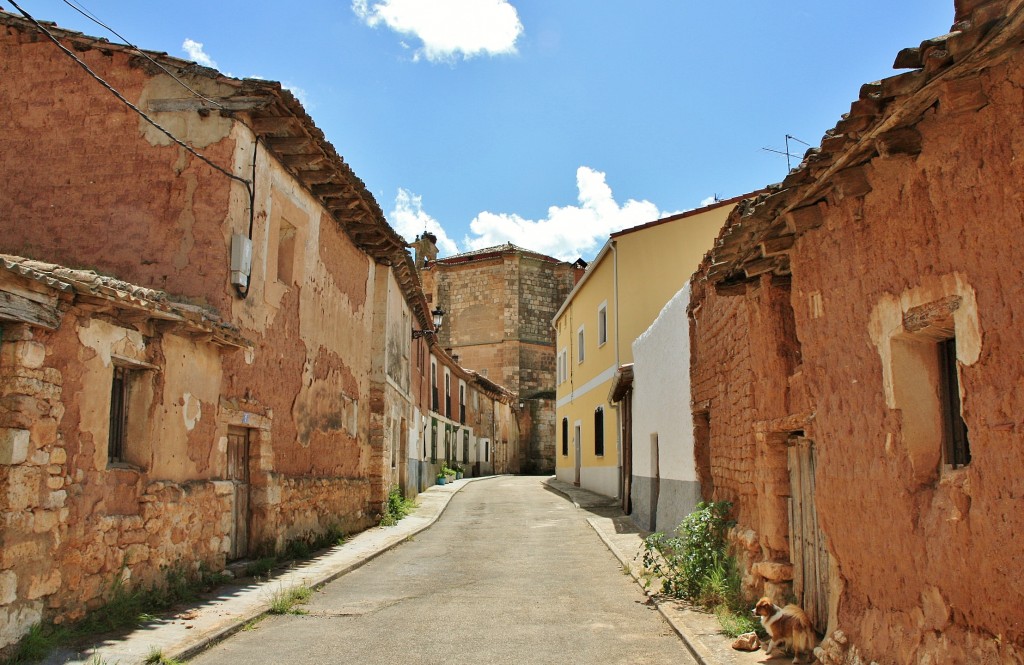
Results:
[448, 29]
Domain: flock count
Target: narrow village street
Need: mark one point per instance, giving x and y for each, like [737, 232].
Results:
[511, 573]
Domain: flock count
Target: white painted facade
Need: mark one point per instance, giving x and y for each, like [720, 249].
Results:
[663, 437]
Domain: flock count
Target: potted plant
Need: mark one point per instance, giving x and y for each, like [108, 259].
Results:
[440, 479]
[459, 471]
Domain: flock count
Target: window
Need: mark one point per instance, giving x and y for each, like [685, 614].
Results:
[602, 324]
[599, 431]
[957, 448]
[433, 440]
[285, 253]
[462, 403]
[433, 386]
[580, 351]
[118, 414]
[447, 394]
[563, 366]
[565, 437]
[923, 361]
[130, 398]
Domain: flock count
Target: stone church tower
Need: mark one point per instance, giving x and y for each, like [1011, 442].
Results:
[499, 303]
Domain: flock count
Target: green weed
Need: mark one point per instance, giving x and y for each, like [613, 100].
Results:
[695, 565]
[396, 508]
[284, 601]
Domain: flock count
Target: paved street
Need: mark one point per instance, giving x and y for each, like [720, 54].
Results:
[511, 573]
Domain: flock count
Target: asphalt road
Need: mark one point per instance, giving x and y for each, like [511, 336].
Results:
[511, 573]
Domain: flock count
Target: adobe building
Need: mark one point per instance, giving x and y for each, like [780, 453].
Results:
[215, 345]
[498, 305]
[857, 361]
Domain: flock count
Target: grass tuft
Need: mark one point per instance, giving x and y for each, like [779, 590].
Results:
[284, 601]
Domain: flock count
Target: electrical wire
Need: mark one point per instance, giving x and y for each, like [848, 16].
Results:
[92, 17]
[142, 114]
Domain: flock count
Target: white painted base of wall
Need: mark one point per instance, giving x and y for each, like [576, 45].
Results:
[566, 474]
[601, 479]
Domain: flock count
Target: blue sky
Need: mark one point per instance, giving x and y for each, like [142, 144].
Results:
[547, 123]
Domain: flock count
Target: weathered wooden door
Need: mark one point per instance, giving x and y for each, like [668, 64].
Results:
[238, 474]
[807, 548]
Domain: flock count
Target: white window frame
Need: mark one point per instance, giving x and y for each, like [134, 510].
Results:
[581, 350]
[602, 324]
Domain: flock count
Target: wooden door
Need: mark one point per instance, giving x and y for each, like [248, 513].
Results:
[807, 547]
[238, 474]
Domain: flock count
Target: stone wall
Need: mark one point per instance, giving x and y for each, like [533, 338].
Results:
[499, 309]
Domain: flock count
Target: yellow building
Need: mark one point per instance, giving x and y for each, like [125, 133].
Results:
[624, 288]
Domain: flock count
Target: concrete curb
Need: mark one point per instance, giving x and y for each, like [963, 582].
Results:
[697, 650]
[208, 640]
[700, 652]
[181, 642]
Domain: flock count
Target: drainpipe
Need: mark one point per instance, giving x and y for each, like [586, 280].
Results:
[618, 362]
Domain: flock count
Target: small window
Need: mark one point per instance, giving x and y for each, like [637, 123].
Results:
[285, 253]
[957, 448]
[580, 350]
[447, 394]
[462, 403]
[118, 430]
[599, 431]
[565, 437]
[602, 324]
[434, 401]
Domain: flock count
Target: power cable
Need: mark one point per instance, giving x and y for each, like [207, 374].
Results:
[92, 17]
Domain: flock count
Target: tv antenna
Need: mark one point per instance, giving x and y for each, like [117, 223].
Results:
[787, 153]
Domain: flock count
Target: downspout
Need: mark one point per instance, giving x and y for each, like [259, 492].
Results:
[618, 363]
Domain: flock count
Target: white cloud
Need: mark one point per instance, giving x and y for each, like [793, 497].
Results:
[709, 200]
[410, 220]
[195, 51]
[567, 232]
[448, 28]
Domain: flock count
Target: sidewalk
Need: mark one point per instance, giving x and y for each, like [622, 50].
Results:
[195, 627]
[700, 631]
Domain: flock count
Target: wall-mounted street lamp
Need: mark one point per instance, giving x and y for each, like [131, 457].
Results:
[438, 315]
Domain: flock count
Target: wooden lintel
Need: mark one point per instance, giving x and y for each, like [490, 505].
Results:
[290, 145]
[330, 189]
[901, 141]
[731, 287]
[778, 245]
[315, 177]
[852, 182]
[759, 267]
[804, 219]
[209, 104]
[272, 124]
[18, 308]
[903, 84]
[304, 161]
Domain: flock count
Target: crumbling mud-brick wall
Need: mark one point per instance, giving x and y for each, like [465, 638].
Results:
[928, 577]
[898, 236]
[744, 356]
[89, 184]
